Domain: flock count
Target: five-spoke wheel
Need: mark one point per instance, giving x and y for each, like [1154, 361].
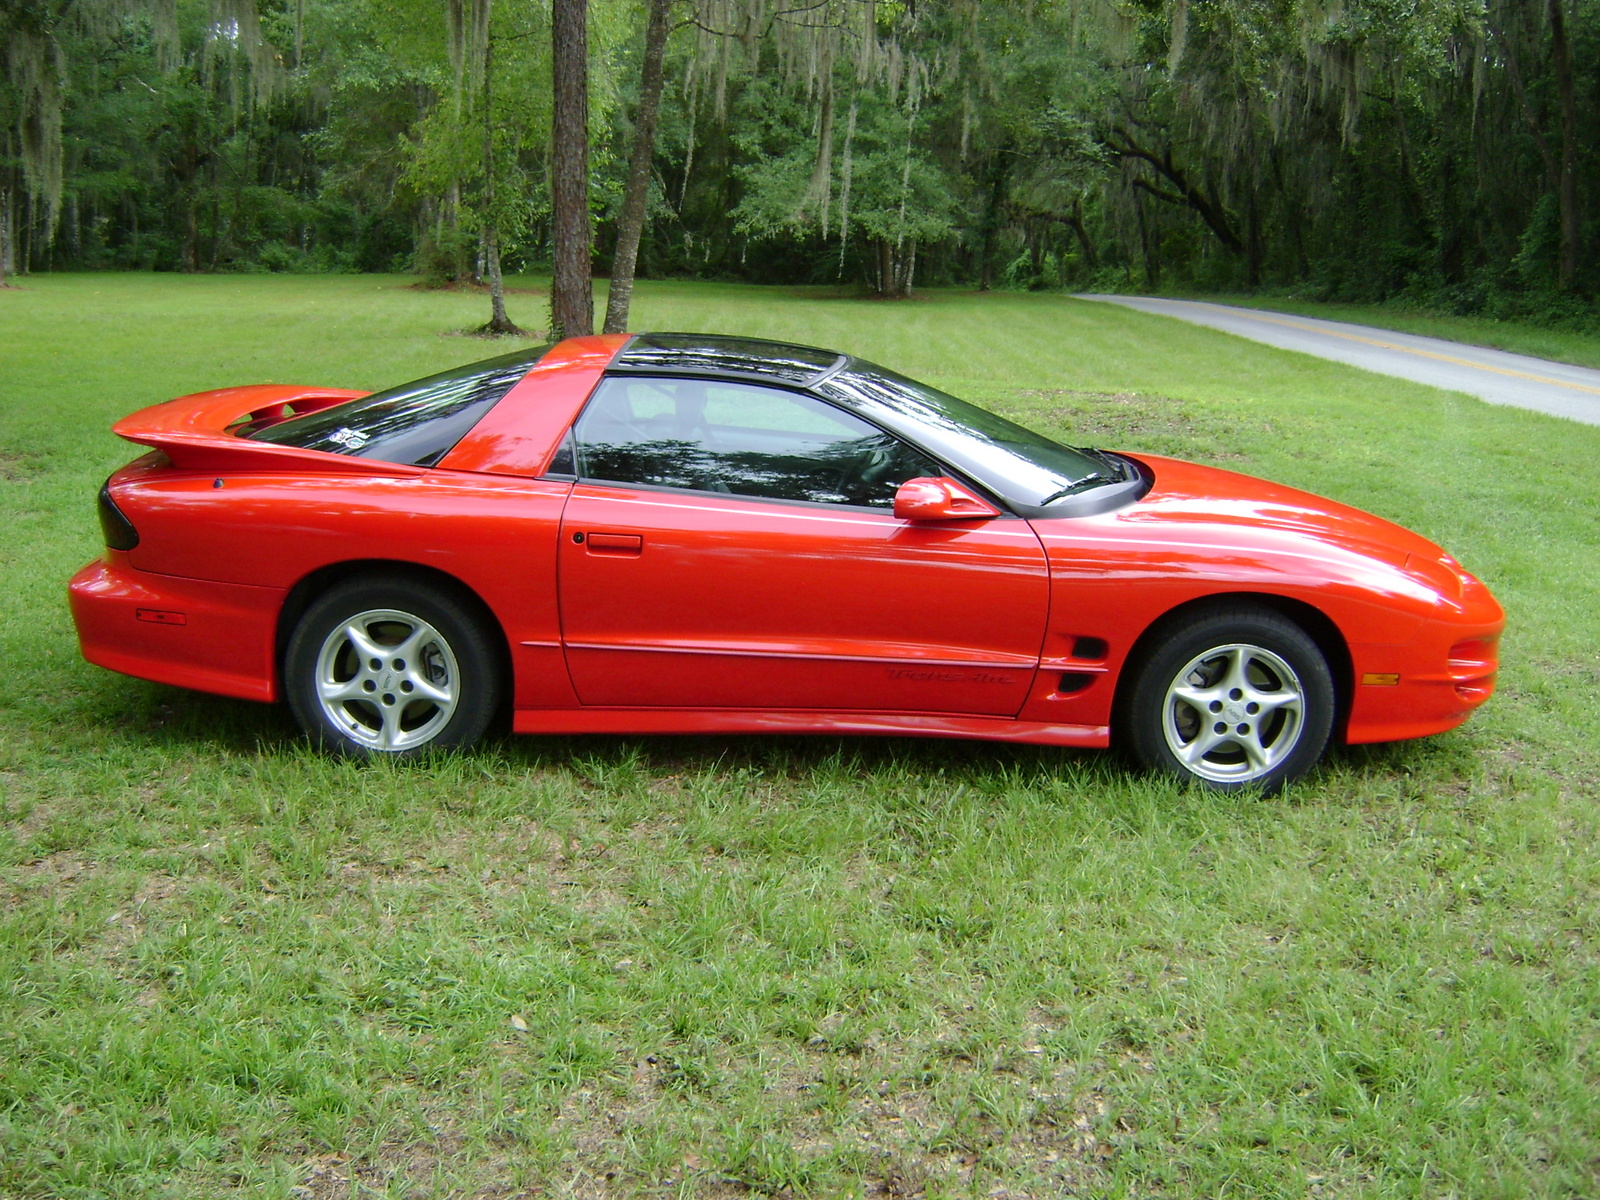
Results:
[391, 666]
[387, 679]
[1232, 698]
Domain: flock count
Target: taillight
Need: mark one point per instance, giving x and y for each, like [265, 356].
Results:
[119, 531]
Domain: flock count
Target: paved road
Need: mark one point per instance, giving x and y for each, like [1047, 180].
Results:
[1493, 375]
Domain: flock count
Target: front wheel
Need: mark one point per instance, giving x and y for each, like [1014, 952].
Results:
[392, 667]
[1232, 699]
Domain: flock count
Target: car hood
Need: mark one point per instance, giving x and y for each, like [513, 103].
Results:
[1189, 493]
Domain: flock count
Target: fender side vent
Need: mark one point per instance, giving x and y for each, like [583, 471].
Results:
[1090, 649]
[1074, 681]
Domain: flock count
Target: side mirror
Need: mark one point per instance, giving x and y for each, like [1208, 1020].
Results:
[939, 499]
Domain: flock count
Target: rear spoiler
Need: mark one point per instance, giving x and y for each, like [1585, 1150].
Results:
[199, 432]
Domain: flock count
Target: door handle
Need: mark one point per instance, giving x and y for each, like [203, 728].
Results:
[625, 545]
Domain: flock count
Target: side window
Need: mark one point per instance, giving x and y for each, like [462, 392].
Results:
[741, 439]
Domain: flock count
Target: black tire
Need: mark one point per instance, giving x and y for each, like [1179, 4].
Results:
[1260, 734]
[383, 704]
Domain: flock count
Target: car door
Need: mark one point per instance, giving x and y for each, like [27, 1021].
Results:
[729, 545]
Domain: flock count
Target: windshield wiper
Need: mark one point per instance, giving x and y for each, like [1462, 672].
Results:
[1123, 473]
[1087, 481]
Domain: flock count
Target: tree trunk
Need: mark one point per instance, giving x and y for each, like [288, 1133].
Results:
[991, 215]
[630, 221]
[1252, 241]
[1559, 172]
[571, 293]
[6, 267]
[1567, 270]
[896, 267]
[1152, 264]
[191, 232]
[216, 227]
[499, 324]
[1091, 258]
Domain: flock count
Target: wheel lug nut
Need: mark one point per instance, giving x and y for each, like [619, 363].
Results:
[399, 664]
[1235, 694]
[387, 698]
[1242, 729]
[406, 685]
[370, 686]
[377, 664]
[1216, 706]
[1222, 727]
[1252, 708]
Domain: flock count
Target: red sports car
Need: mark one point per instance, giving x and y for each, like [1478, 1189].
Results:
[682, 533]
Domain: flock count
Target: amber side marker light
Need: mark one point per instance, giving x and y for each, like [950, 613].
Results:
[1380, 680]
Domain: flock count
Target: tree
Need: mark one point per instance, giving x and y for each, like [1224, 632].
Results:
[1561, 171]
[571, 235]
[498, 323]
[630, 221]
[833, 145]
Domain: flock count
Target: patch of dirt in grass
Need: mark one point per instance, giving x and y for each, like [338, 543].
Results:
[409, 1168]
[36, 815]
[470, 287]
[920, 1139]
[905, 1138]
[19, 468]
[535, 335]
[59, 869]
[126, 923]
[1127, 421]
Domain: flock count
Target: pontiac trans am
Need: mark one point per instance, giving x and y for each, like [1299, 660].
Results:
[679, 533]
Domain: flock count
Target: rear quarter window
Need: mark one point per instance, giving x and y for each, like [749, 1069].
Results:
[417, 423]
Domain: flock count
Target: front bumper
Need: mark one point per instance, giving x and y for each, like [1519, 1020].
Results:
[1441, 675]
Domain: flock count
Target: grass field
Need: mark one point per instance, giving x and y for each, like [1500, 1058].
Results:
[722, 966]
[1559, 345]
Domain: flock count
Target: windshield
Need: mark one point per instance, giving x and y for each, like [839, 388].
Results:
[1026, 468]
[416, 423]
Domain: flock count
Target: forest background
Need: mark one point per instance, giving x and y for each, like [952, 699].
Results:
[1441, 152]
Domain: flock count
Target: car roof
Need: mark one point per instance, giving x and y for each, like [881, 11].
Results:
[717, 354]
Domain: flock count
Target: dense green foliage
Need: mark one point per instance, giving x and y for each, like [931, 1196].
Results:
[1443, 151]
[728, 967]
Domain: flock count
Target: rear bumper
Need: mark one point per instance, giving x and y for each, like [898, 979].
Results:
[212, 637]
[1444, 672]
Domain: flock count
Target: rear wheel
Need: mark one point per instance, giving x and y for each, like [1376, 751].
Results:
[391, 666]
[1233, 699]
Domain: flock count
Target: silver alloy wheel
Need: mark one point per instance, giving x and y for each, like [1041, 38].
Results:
[1233, 713]
[387, 679]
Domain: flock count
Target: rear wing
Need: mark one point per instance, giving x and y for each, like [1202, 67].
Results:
[202, 432]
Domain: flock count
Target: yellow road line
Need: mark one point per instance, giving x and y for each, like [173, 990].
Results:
[1460, 362]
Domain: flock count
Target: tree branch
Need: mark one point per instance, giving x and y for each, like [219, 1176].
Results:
[1209, 207]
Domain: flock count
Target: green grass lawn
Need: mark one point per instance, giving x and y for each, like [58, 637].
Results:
[1559, 345]
[727, 966]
